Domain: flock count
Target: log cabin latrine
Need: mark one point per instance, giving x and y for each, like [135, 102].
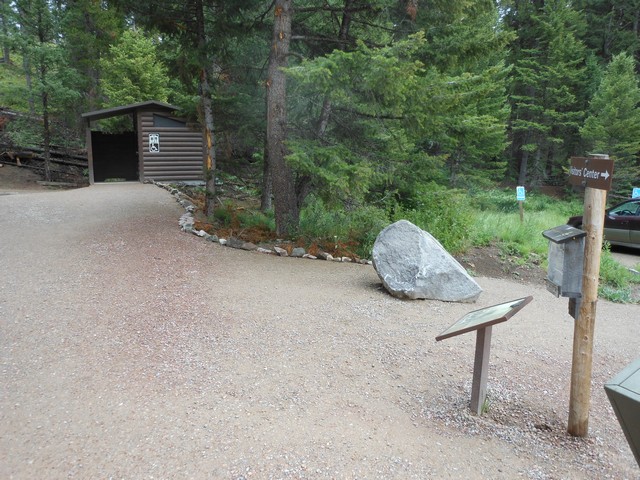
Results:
[161, 147]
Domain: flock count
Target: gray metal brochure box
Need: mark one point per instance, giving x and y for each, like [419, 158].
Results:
[566, 253]
[624, 394]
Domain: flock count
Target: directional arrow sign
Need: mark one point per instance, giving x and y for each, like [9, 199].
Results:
[594, 172]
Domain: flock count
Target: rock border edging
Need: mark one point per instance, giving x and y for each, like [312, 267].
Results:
[187, 222]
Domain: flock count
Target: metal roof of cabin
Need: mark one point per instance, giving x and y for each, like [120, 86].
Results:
[127, 109]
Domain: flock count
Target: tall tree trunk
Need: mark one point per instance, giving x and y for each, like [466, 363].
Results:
[92, 71]
[6, 53]
[267, 190]
[523, 167]
[536, 167]
[287, 212]
[26, 65]
[522, 175]
[207, 112]
[44, 94]
[209, 139]
[46, 137]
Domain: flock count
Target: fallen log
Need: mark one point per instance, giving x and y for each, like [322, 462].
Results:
[60, 184]
[24, 155]
[57, 152]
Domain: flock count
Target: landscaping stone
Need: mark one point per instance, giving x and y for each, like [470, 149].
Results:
[281, 252]
[298, 252]
[187, 222]
[412, 264]
[240, 244]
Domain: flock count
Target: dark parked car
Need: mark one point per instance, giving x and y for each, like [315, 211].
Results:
[621, 224]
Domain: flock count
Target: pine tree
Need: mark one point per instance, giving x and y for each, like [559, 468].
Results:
[287, 212]
[613, 124]
[132, 71]
[470, 46]
[5, 29]
[44, 62]
[613, 27]
[89, 28]
[549, 78]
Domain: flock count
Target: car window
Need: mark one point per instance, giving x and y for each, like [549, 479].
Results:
[630, 208]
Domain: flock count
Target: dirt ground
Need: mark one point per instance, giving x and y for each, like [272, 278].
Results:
[130, 349]
[16, 179]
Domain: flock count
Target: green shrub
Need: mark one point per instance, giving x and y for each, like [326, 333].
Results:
[257, 219]
[618, 295]
[24, 132]
[615, 279]
[445, 214]
[229, 215]
[225, 214]
[366, 224]
[359, 226]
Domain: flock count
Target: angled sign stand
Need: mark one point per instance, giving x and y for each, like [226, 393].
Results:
[482, 321]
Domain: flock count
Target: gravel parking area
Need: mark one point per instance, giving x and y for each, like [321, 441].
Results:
[130, 349]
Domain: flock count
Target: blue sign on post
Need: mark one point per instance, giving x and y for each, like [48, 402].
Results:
[636, 192]
[520, 194]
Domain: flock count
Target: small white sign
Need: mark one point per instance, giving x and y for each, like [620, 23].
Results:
[520, 194]
[636, 192]
[154, 142]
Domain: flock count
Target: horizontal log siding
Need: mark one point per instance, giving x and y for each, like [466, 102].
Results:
[181, 152]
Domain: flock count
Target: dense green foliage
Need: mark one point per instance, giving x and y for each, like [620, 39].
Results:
[384, 97]
[614, 120]
[132, 72]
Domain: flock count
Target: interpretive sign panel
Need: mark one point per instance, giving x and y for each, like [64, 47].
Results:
[485, 317]
[482, 322]
[594, 172]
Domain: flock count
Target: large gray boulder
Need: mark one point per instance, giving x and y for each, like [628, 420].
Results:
[412, 264]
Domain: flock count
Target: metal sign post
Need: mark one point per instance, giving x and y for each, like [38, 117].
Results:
[594, 173]
[520, 195]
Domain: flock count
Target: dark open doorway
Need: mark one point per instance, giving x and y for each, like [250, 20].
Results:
[115, 156]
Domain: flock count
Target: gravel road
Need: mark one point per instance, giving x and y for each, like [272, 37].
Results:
[130, 349]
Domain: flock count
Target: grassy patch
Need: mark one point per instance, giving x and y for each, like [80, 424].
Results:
[616, 280]
[352, 232]
[497, 220]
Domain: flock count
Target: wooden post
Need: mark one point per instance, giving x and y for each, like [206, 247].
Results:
[521, 211]
[480, 369]
[580, 396]
[89, 146]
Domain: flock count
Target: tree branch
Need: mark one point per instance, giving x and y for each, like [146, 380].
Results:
[369, 115]
[329, 8]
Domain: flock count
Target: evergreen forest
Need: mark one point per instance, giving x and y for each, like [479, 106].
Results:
[364, 110]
